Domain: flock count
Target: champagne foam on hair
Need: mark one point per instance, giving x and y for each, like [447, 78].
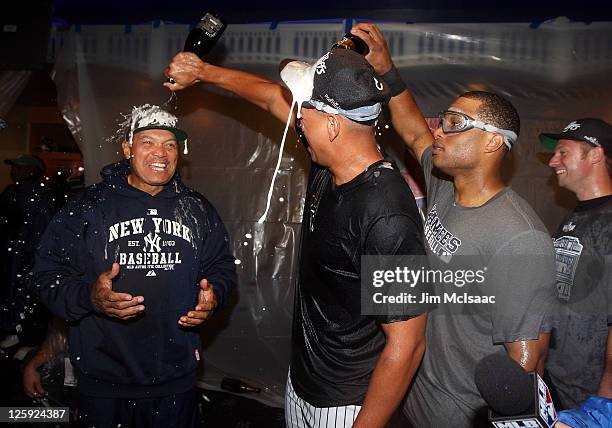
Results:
[143, 116]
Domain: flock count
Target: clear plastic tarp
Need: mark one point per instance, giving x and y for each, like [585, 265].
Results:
[553, 73]
[12, 83]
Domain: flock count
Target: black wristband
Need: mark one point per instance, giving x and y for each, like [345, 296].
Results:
[394, 81]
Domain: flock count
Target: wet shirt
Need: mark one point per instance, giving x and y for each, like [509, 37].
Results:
[165, 244]
[505, 236]
[583, 247]
[335, 348]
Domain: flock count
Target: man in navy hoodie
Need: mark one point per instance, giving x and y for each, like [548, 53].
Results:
[134, 263]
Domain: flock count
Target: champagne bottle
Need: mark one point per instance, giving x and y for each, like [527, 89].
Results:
[205, 34]
[237, 386]
[352, 42]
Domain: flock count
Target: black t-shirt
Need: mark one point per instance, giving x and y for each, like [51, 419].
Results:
[583, 246]
[335, 348]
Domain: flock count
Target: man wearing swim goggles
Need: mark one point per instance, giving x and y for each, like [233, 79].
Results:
[471, 212]
[453, 121]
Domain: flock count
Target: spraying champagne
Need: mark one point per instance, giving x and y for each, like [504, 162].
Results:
[204, 35]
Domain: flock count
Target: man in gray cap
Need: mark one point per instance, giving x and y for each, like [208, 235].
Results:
[580, 358]
[134, 263]
[25, 167]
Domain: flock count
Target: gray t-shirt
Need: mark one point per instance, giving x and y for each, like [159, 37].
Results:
[507, 236]
[577, 356]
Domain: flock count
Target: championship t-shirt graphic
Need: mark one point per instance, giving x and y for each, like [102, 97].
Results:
[149, 243]
[567, 253]
[441, 242]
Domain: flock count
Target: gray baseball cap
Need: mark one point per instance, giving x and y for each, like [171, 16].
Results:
[26, 160]
[149, 116]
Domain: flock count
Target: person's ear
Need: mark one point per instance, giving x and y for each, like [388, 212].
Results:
[495, 143]
[333, 127]
[596, 155]
[127, 149]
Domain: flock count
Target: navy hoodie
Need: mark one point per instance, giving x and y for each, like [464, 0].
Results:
[165, 244]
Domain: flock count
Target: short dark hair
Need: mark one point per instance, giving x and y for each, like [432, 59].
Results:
[496, 110]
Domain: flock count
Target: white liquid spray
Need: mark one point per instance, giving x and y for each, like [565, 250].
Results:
[299, 78]
[278, 162]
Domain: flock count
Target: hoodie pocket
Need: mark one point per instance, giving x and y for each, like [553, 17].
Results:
[181, 350]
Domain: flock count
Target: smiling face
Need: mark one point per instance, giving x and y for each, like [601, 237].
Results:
[153, 157]
[571, 164]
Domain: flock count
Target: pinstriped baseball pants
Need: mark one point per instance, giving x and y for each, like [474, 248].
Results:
[300, 414]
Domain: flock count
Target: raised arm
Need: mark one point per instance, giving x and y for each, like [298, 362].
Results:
[187, 70]
[406, 116]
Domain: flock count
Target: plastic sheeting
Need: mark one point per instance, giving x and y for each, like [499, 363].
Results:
[12, 83]
[554, 73]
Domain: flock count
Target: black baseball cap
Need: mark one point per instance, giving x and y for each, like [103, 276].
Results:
[592, 131]
[340, 82]
[26, 160]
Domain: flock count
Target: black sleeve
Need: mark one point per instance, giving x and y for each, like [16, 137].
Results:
[398, 235]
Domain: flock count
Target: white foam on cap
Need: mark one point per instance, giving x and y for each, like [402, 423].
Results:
[147, 115]
[299, 78]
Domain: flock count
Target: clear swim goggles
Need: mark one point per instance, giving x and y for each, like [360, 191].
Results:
[453, 121]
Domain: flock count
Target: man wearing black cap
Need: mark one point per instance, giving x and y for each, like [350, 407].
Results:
[134, 263]
[580, 357]
[471, 216]
[347, 369]
[25, 167]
